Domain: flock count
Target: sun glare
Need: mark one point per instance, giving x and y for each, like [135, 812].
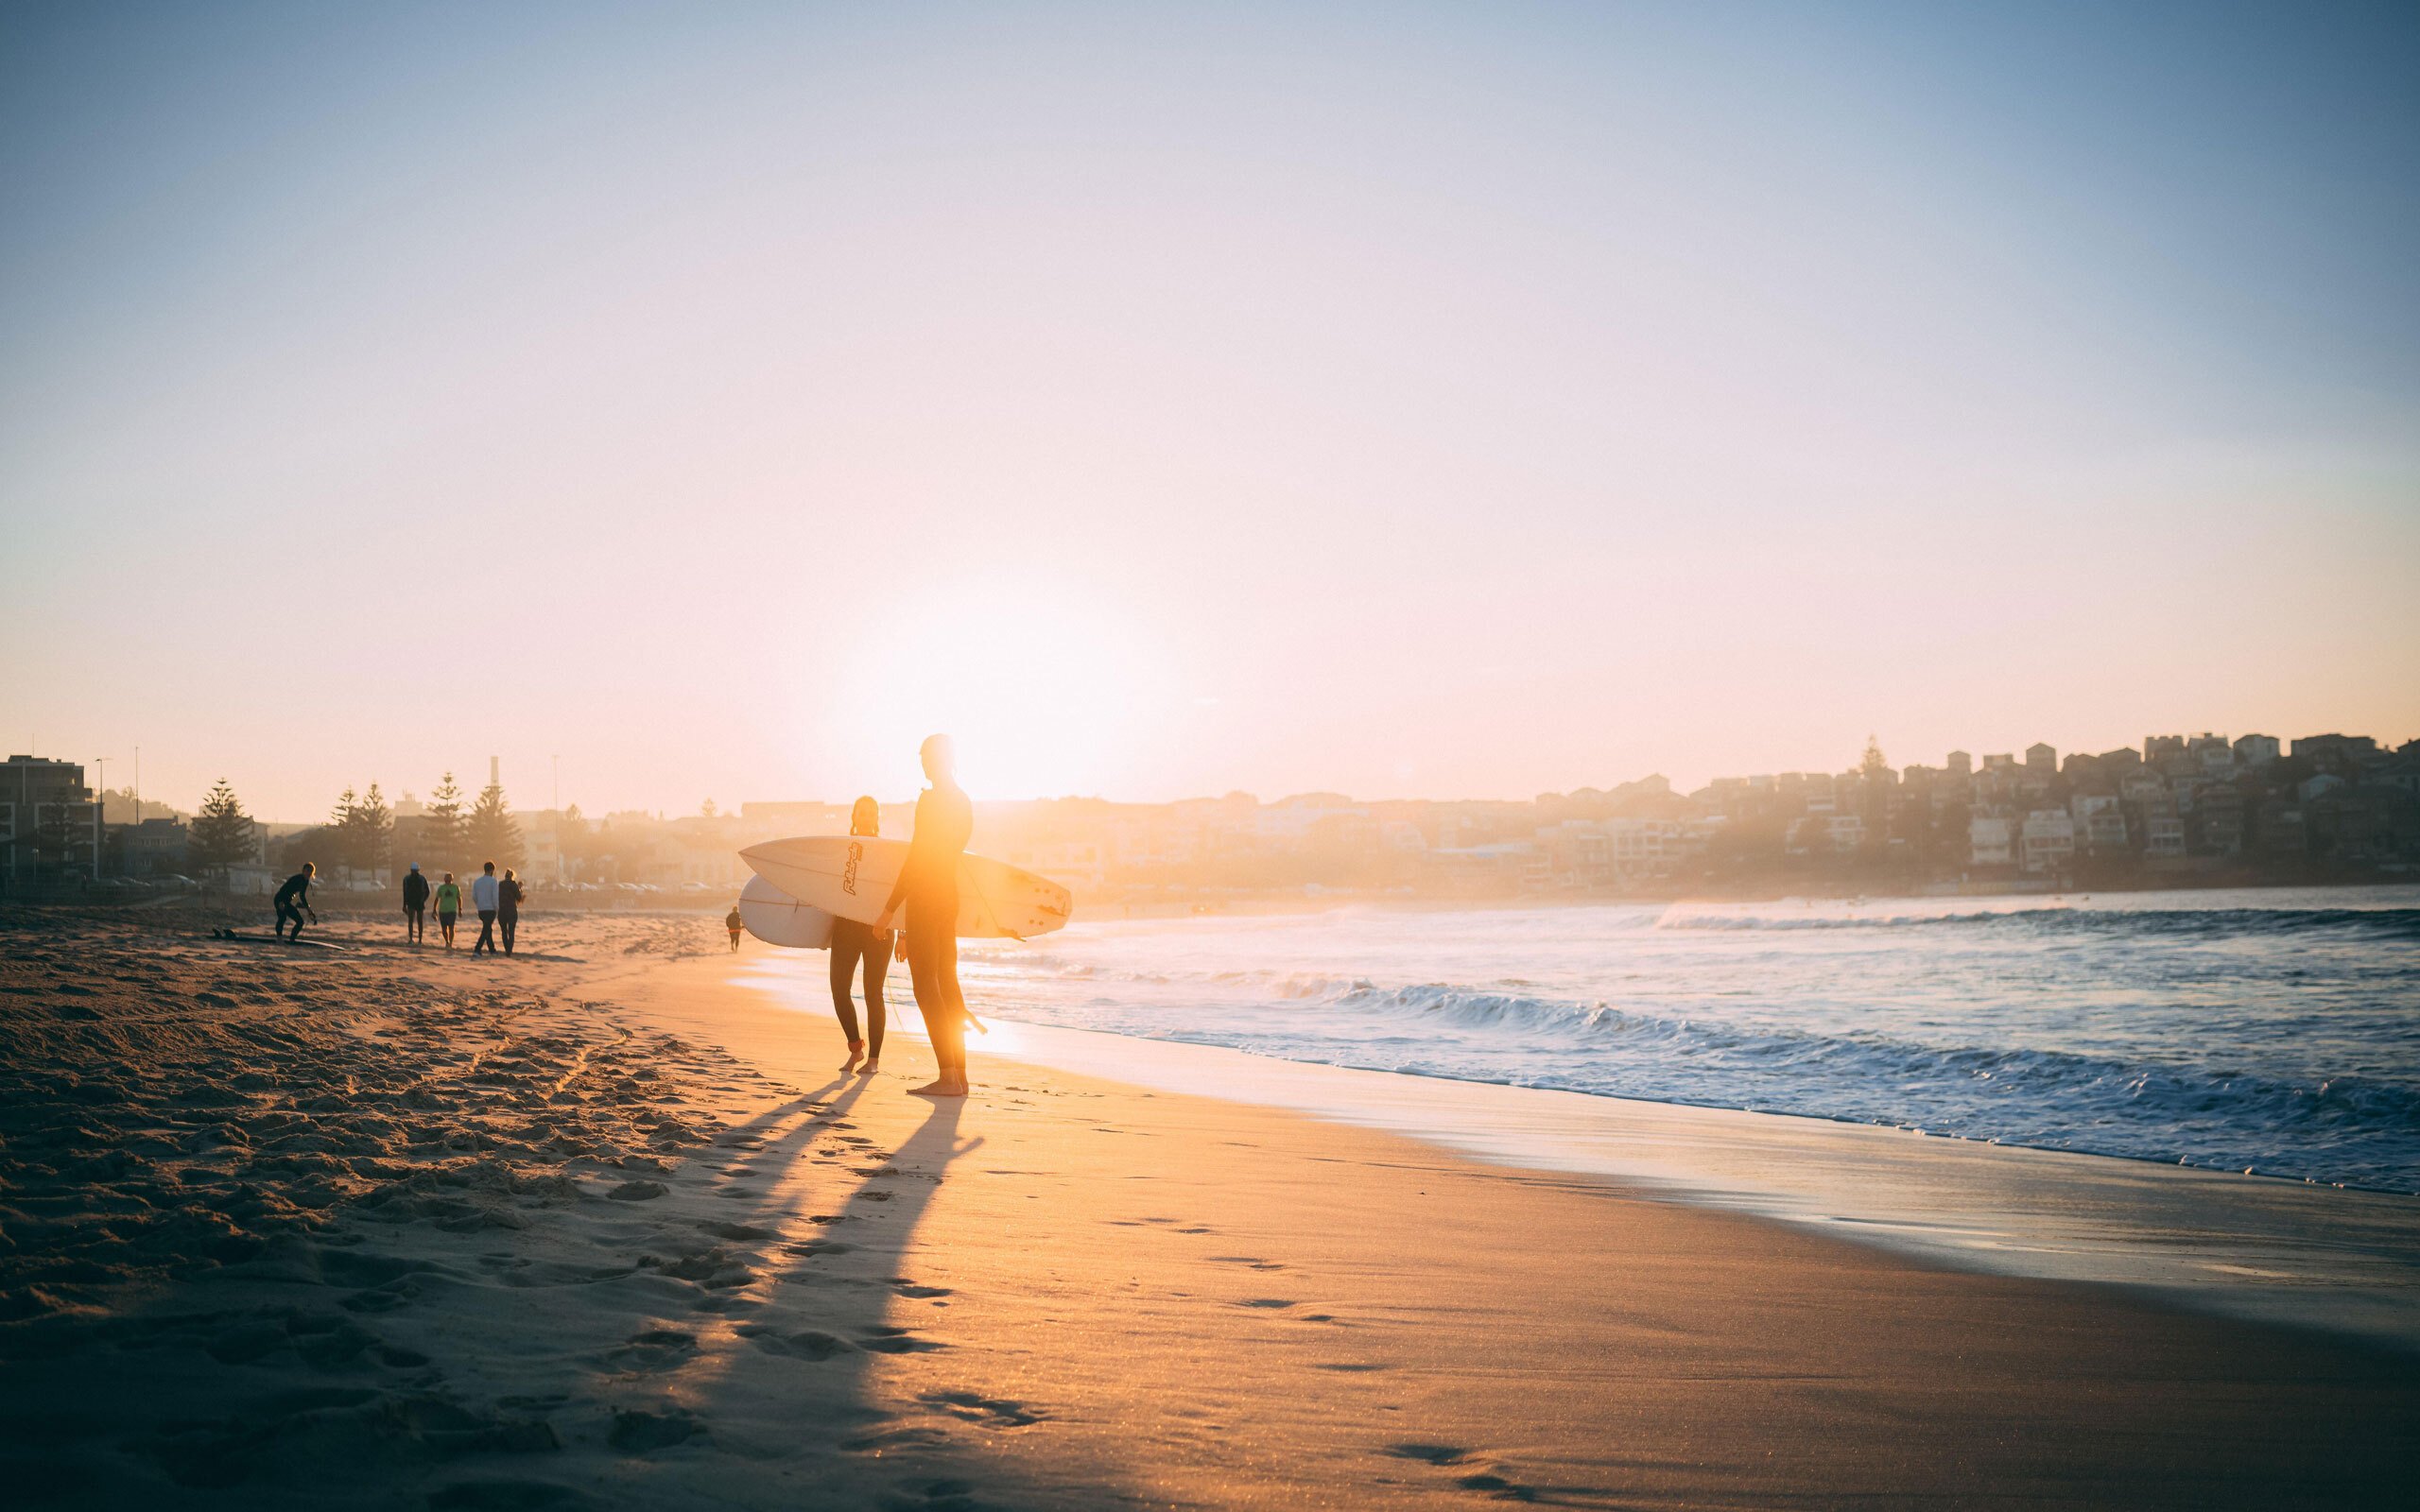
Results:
[1045, 694]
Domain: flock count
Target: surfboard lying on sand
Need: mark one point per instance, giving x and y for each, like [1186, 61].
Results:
[241, 938]
[850, 876]
[778, 919]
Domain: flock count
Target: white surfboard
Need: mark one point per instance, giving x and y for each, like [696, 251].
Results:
[778, 919]
[850, 876]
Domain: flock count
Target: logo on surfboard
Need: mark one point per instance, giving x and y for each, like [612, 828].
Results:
[849, 871]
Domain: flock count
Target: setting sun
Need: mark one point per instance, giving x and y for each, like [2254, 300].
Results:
[1046, 693]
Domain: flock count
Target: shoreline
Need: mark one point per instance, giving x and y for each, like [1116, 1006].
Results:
[390, 1230]
[2275, 1249]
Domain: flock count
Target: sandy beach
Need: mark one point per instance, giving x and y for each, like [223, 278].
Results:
[601, 1227]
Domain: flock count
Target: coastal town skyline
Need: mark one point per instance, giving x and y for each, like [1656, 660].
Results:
[2175, 809]
[542, 786]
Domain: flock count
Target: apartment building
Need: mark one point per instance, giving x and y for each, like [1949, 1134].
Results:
[2046, 843]
[43, 798]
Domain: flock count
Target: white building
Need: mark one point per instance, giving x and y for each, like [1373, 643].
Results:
[2257, 750]
[2163, 831]
[1987, 840]
[2047, 842]
[2213, 753]
[2143, 786]
[2100, 821]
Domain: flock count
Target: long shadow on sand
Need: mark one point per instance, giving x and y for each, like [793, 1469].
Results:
[818, 1324]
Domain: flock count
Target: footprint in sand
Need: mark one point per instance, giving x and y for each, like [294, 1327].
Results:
[883, 1339]
[637, 1432]
[653, 1351]
[992, 1412]
[809, 1344]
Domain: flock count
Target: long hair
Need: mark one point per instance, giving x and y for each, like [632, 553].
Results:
[865, 817]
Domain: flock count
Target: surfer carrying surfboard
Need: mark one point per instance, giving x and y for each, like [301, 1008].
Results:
[928, 886]
[853, 943]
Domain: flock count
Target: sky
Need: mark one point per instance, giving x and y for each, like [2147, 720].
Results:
[1444, 401]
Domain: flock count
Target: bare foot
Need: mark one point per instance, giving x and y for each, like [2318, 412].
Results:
[851, 1064]
[870, 1068]
[941, 1089]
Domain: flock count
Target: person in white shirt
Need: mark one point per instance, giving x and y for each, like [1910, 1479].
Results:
[484, 896]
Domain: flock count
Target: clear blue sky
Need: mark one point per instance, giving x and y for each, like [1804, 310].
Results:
[1443, 400]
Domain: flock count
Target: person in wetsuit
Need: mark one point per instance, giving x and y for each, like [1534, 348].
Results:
[734, 923]
[852, 943]
[415, 903]
[507, 908]
[929, 886]
[294, 900]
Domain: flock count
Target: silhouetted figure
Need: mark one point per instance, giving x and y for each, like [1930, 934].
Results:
[929, 886]
[484, 894]
[734, 923]
[853, 943]
[415, 903]
[507, 908]
[294, 900]
[449, 907]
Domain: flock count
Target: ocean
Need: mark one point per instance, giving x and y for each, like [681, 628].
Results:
[2276, 1030]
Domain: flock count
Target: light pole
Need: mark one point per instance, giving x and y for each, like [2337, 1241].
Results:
[100, 805]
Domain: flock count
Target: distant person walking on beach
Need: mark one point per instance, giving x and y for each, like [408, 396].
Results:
[734, 923]
[507, 908]
[853, 943]
[929, 886]
[415, 903]
[484, 897]
[449, 907]
[294, 900]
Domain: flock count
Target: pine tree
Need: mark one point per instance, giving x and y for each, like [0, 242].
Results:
[374, 825]
[441, 826]
[492, 832]
[343, 828]
[222, 832]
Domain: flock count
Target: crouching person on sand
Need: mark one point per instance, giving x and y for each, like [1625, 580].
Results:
[294, 900]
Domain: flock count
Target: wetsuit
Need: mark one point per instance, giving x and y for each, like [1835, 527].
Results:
[507, 910]
[415, 905]
[928, 884]
[732, 921]
[853, 943]
[291, 899]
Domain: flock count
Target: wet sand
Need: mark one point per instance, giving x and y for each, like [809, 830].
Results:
[397, 1229]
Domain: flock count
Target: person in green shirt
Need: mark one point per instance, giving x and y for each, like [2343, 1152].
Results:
[449, 905]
